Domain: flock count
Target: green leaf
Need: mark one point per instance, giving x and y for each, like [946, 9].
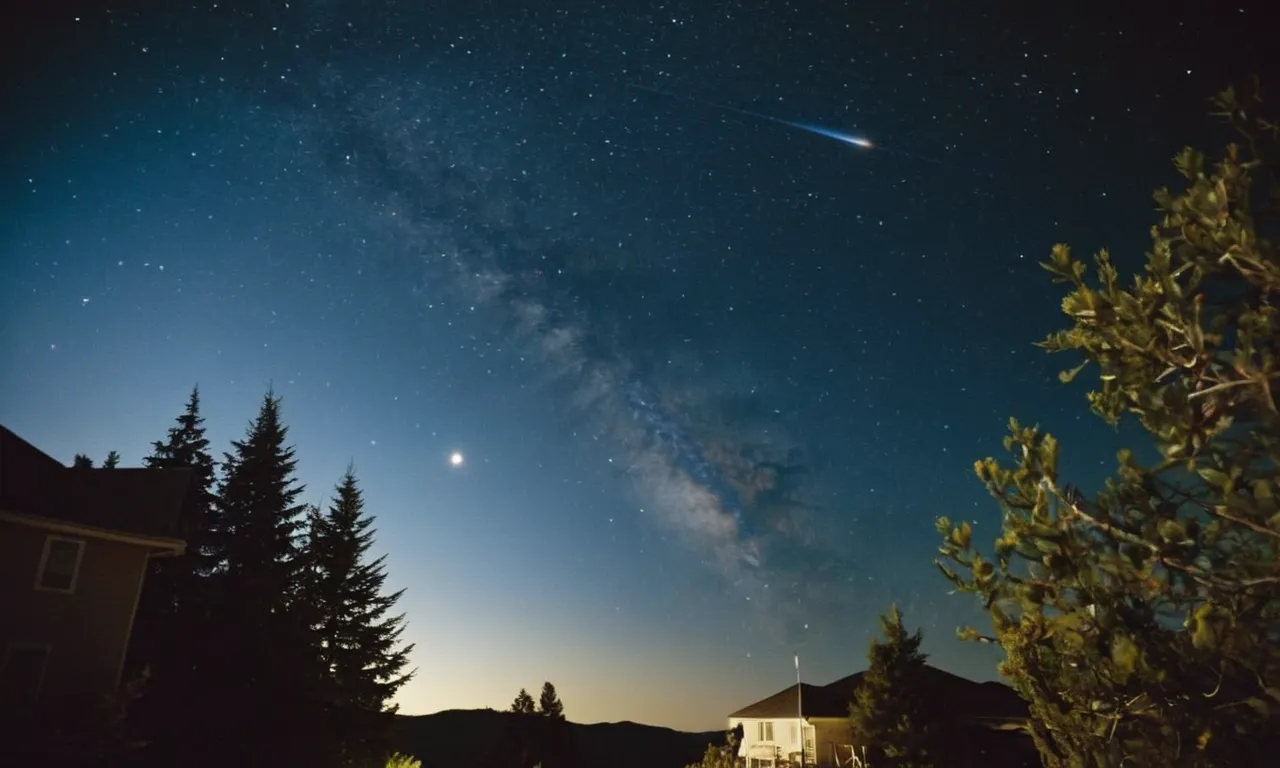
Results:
[1068, 376]
[1172, 530]
[1124, 654]
[1213, 477]
[1206, 627]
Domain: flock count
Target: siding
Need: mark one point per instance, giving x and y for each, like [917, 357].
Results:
[828, 732]
[88, 630]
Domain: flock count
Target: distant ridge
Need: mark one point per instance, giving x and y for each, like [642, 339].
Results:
[463, 738]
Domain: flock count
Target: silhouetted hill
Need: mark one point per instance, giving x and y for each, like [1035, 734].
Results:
[462, 738]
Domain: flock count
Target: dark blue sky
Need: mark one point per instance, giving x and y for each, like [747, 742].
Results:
[713, 377]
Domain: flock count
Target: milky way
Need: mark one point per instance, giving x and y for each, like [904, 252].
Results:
[452, 218]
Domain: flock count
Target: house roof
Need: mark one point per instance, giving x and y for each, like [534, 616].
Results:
[990, 700]
[142, 502]
[812, 701]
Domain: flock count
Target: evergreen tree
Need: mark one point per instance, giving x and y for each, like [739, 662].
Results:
[889, 713]
[1143, 625]
[112, 460]
[81, 461]
[549, 703]
[186, 447]
[170, 628]
[256, 527]
[266, 690]
[523, 703]
[359, 640]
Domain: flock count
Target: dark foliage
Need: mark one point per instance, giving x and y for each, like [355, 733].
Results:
[256, 675]
[1143, 625]
[358, 638]
[549, 703]
[890, 712]
[523, 703]
[169, 627]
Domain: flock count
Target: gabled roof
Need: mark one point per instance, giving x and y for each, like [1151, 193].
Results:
[990, 700]
[142, 502]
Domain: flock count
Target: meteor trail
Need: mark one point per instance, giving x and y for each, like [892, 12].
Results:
[817, 130]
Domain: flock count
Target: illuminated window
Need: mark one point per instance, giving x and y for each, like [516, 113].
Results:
[60, 564]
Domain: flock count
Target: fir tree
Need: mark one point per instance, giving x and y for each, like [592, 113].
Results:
[523, 703]
[267, 692]
[256, 529]
[549, 703]
[112, 460]
[170, 628]
[359, 639]
[82, 461]
[186, 447]
[889, 712]
[1141, 624]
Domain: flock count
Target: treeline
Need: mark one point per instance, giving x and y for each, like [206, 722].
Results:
[272, 641]
[548, 704]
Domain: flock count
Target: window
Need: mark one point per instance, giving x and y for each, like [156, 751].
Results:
[22, 674]
[760, 762]
[764, 731]
[794, 739]
[60, 564]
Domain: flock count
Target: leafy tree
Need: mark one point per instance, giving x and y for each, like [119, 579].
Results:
[359, 641]
[82, 461]
[112, 460]
[549, 703]
[1143, 625]
[889, 711]
[725, 756]
[523, 703]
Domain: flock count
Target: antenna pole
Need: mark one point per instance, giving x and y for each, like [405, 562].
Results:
[800, 711]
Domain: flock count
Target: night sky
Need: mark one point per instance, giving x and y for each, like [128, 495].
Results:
[713, 376]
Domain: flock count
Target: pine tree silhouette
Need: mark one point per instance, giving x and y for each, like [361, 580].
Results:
[360, 648]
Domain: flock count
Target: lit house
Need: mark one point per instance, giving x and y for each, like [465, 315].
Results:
[812, 721]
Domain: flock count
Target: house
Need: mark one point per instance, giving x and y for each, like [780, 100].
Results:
[74, 549]
[989, 715]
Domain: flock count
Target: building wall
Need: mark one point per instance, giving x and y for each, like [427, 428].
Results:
[786, 736]
[831, 733]
[87, 630]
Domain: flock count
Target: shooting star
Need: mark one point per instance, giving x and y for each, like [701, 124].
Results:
[817, 130]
